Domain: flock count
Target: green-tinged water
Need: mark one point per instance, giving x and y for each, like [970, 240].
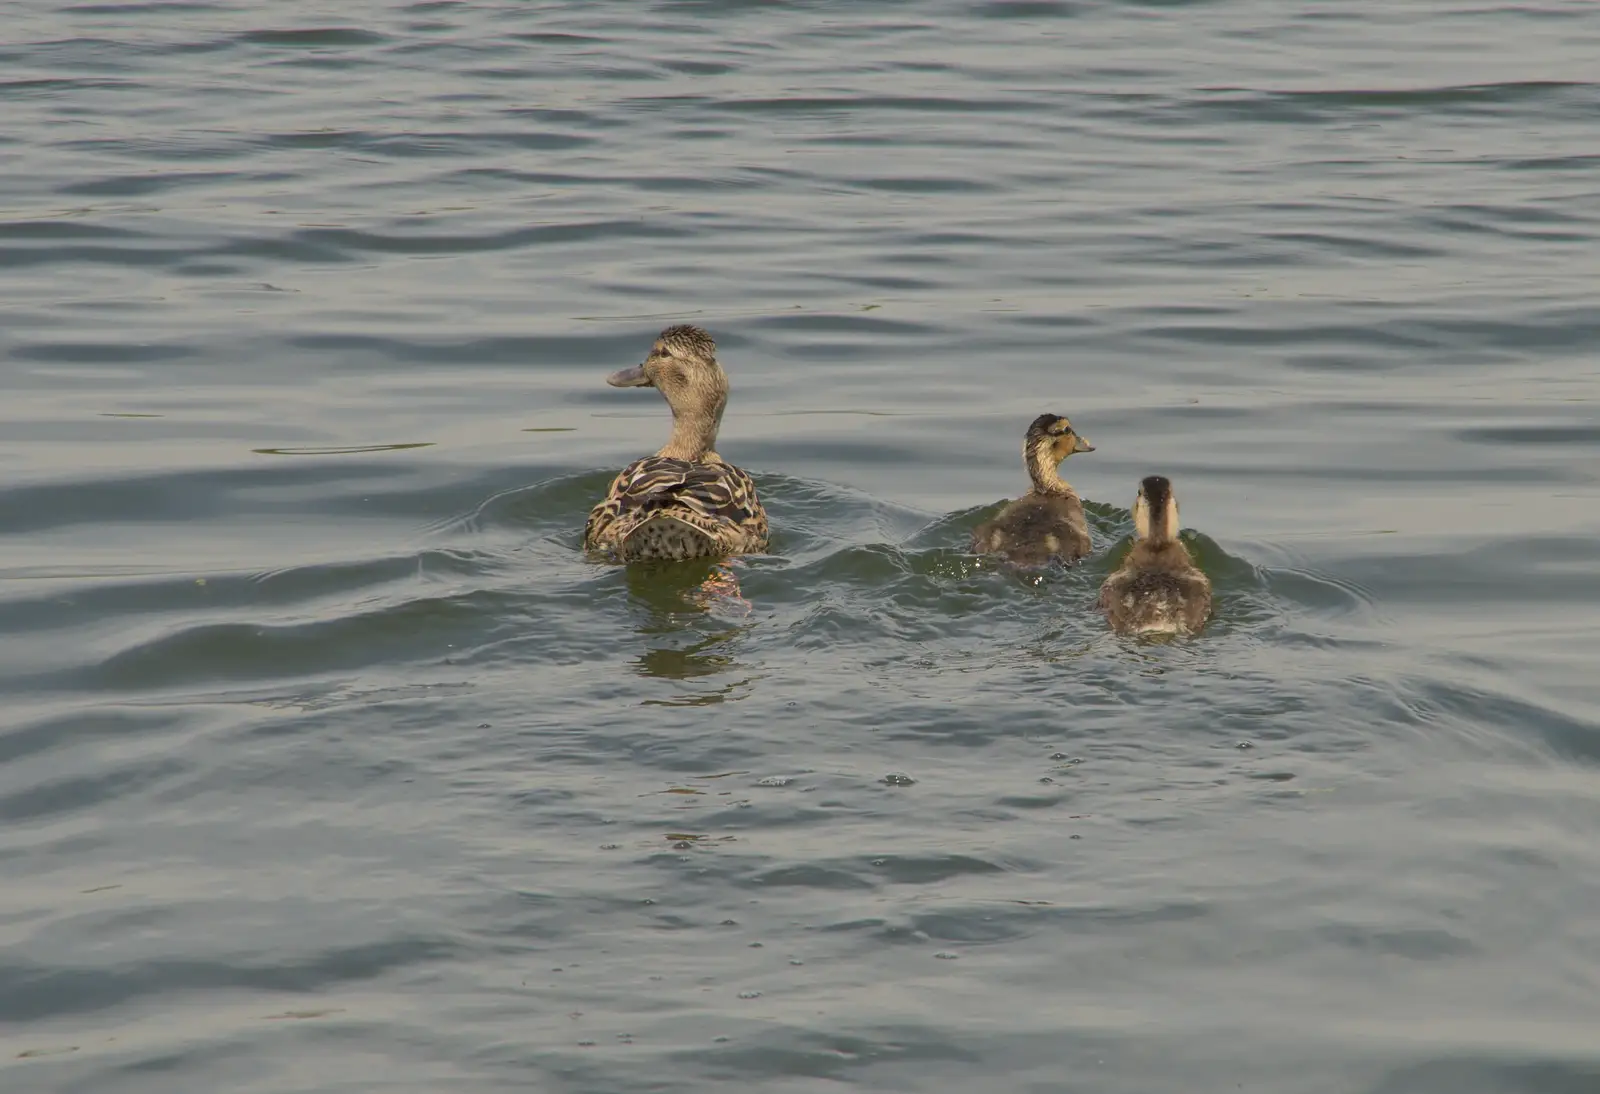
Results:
[328, 764]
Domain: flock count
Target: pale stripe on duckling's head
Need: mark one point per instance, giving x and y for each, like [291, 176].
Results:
[1155, 511]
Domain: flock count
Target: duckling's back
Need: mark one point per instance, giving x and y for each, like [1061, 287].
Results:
[1035, 529]
[1157, 593]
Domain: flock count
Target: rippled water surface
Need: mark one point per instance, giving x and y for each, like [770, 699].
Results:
[329, 764]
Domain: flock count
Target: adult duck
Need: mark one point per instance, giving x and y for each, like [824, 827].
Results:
[685, 501]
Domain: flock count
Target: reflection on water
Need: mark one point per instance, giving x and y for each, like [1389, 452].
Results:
[342, 450]
[686, 610]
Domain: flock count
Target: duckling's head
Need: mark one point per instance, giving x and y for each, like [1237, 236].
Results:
[1050, 440]
[1155, 512]
[682, 365]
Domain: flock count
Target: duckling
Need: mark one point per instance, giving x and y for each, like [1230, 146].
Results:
[1046, 522]
[1158, 589]
[684, 501]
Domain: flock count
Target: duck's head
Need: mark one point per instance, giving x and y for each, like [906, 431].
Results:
[1155, 512]
[682, 365]
[1050, 440]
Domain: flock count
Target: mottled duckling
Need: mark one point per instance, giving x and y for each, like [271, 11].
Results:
[1046, 522]
[683, 502]
[1158, 589]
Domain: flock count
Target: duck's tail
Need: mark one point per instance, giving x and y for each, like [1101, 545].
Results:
[663, 537]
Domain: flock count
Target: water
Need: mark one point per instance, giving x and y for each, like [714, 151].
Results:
[328, 764]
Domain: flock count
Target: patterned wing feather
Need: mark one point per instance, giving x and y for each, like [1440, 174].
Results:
[717, 499]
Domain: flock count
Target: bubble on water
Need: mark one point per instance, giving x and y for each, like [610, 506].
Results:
[880, 862]
[1074, 836]
[946, 955]
[898, 778]
[682, 845]
[1243, 746]
[585, 1044]
[720, 1040]
[749, 995]
[730, 923]
[775, 780]
[1058, 756]
[755, 945]
[1047, 779]
[647, 900]
[796, 961]
[610, 846]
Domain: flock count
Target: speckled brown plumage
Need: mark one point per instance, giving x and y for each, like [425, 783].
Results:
[685, 501]
[660, 508]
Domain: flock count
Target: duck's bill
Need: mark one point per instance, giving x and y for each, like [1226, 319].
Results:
[629, 377]
[1081, 445]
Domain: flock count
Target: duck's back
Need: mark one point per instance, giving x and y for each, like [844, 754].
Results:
[1161, 595]
[1035, 529]
[663, 508]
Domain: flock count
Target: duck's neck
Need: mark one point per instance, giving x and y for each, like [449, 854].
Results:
[1160, 536]
[1156, 528]
[1042, 469]
[694, 434]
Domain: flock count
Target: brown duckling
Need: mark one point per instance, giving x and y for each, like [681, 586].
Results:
[1158, 589]
[1047, 522]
